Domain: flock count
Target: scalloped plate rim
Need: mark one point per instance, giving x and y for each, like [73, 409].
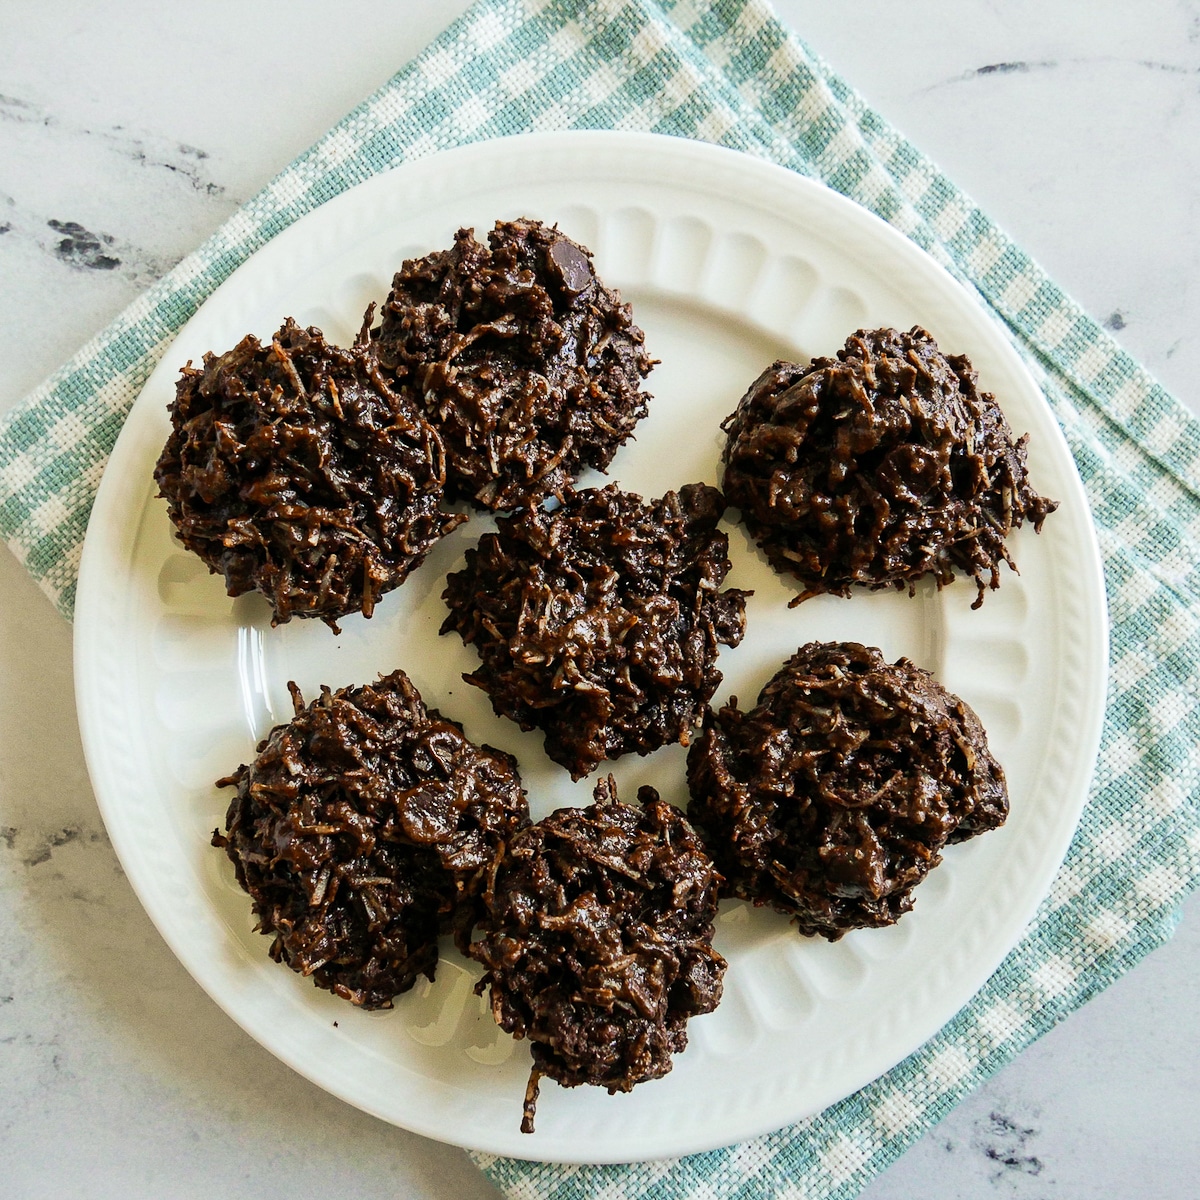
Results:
[119, 491]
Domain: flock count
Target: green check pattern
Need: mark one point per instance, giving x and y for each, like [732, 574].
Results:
[730, 73]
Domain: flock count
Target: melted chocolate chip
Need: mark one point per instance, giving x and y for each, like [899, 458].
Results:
[572, 265]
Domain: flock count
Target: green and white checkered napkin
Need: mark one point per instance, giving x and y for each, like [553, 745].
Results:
[730, 73]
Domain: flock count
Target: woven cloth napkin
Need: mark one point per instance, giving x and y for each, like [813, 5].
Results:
[731, 73]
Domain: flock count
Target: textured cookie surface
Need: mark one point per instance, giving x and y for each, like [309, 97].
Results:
[294, 469]
[834, 797]
[879, 467]
[529, 366]
[365, 827]
[598, 942]
[599, 622]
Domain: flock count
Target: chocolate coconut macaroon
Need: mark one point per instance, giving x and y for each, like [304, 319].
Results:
[880, 467]
[834, 797]
[365, 827]
[295, 469]
[598, 942]
[599, 622]
[527, 364]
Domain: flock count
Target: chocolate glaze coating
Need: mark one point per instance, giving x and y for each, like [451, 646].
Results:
[599, 622]
[529, 367]
[296, 470]
[366, 826]
[598, 941]
[833, 798]
[878, 467]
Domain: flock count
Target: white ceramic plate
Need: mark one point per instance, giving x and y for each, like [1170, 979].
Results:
[729, 263]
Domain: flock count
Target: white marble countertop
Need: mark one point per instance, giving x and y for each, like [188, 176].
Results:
[128, 132]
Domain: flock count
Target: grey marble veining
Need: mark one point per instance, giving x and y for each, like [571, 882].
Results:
[94, 212]
[151, 129]
[1075, 126]
[126, 136]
